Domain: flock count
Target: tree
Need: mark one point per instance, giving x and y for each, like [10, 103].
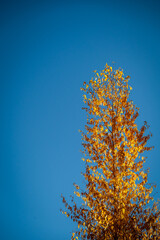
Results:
[117, 202]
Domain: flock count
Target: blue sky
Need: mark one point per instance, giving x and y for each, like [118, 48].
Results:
[48, 49]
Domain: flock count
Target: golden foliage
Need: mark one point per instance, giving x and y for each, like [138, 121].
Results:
[117, 201]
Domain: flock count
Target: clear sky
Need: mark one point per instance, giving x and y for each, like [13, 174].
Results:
[48, 49]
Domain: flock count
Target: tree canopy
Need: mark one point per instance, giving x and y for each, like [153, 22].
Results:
[117, 201]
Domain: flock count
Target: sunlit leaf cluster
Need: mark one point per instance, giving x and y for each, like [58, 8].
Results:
[117, 201]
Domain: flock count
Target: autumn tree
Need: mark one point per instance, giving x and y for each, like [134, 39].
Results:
[117, 201]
